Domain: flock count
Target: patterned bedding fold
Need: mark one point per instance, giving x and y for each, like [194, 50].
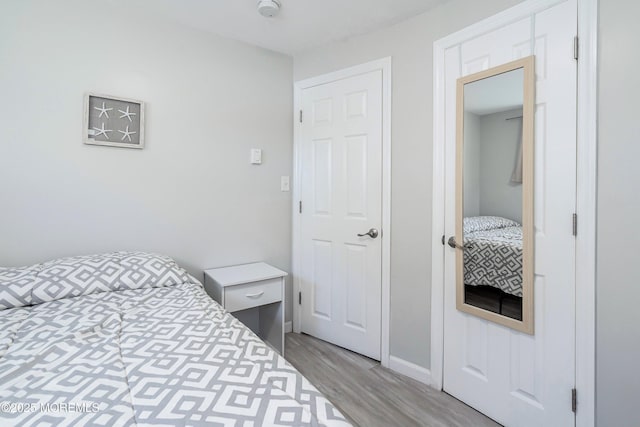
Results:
[149, 351]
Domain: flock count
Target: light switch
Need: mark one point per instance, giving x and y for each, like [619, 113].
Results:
[256, 156]
[284, 183]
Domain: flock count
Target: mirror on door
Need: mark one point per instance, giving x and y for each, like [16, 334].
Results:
[494, 194]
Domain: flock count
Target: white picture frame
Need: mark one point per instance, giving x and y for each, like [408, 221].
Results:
[113, 121]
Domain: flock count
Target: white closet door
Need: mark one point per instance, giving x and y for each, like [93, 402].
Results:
[341, 168]
[515, 378]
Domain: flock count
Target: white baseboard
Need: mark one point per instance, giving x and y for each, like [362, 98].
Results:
[288, 327]
[409, 369]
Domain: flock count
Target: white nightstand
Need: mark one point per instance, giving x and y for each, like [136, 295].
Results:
[254, 293]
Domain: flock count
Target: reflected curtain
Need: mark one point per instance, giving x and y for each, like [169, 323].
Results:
[516, 175]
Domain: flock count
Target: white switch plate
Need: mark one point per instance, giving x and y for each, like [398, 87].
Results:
[256, 156]
[284, 183]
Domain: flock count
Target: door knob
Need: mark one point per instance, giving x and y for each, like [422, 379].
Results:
[373, 233]
[453, 244]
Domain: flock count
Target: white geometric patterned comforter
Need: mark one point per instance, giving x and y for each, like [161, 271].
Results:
[494, 258]
[141, 345]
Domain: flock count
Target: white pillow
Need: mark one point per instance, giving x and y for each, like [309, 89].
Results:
[483, 223]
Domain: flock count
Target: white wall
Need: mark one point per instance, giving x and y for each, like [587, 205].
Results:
[410, 43]
[490, 149]
[618, 288]
[471, 161]
[191, 193]
[500, 139]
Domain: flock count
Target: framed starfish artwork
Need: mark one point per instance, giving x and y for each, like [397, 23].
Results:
[114, 122]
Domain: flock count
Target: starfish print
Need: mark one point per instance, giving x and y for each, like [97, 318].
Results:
[126, 134]
[127, 114]
[102, 131]
[103, 110]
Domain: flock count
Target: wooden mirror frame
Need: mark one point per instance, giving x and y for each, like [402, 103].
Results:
[526, 325]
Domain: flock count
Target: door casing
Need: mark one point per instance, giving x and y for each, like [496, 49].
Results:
[383, 64]
[585, 199]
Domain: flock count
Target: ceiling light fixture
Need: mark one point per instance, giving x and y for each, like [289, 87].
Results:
[268, 8]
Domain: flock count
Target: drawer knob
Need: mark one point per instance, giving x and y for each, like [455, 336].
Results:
[256, 295]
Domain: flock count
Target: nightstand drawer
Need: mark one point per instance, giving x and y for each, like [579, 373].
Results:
[241, 297]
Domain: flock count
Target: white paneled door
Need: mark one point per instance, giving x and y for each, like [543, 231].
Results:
[341, 195]
[515, 378]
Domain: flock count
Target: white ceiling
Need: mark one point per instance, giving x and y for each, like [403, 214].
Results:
[301, 24]
[503, 92]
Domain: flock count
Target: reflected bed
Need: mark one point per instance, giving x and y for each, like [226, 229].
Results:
[493, 254]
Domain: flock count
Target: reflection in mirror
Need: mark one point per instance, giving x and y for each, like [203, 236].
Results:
[495, 206]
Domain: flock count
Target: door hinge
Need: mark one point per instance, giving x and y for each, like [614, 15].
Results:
[300, 116]
[300, 298]
[300, 206]
[574, 400]
[575, 224]
[576, 47]
[443, 240]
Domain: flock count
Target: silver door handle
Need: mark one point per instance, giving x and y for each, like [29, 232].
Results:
[453, 244]
[373, 233]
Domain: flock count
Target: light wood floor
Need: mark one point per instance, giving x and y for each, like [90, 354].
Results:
[370, 395]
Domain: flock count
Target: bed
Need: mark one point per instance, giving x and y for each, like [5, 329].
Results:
[131, 339]
[493, 253]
